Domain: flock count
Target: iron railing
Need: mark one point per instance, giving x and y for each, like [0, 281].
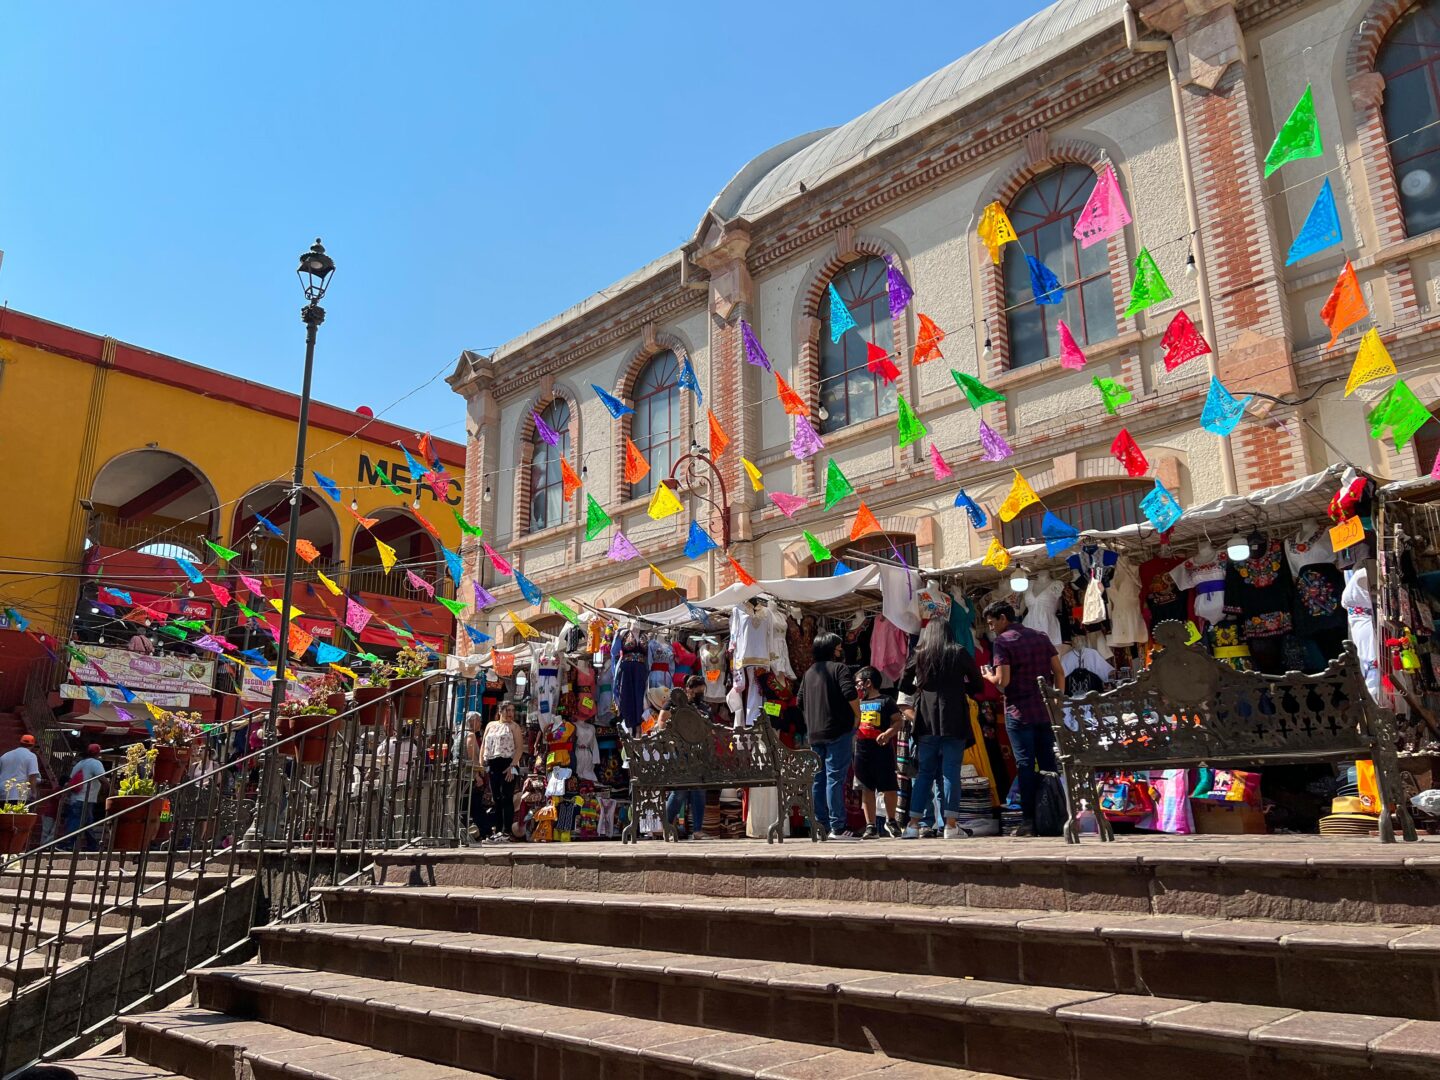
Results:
[178, 879]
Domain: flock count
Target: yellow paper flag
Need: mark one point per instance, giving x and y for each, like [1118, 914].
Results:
[754, 474]
[387, 554]
[997, 556]
[155, 710]
[995, 230]
[344, 670]
[526, 630]
[1021, 495]
[1372, 361]
[664, 503]
[334, 589]
[295, 612]
[669, 583]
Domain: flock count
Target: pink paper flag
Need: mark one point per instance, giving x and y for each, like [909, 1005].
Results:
[806, 441]
[621, 549]
[501, 566]
[788, 504]
[256, 589]
[439, 483]
[1182, 341]
[942, 470]
[356, 616]
[221, 594]
[483, 599]
[996, 448]
[1105, 213]
[753, 352]
[420, 583]
[1070, 354]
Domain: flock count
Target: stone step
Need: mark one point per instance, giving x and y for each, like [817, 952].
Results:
[517, 1040]
[114, 881]
[115, 1067]
[204, 1045]
[1035, 1031]
[1311, 966]
[114, 911]
[1301, 878]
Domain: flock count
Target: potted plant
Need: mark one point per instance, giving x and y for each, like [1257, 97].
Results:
[368, 692]
[16, 821]
[174, 740]
[410, 665]
[136, 804]
[313, 720]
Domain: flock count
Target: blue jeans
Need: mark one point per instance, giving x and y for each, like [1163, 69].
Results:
[831, 775]
[1033, 746]
[695, 821]
[939, 757]
[78, 814]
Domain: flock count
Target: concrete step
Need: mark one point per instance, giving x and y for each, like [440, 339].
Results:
[115, 1067]
[516, 1040]
[114, 880]
[1035, 1030]
[114, 911]
[78, 940]
[1257, 962]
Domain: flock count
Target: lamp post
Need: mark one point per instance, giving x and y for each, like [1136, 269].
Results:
[700, 475]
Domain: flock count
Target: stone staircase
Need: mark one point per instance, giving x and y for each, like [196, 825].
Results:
[1300, 959]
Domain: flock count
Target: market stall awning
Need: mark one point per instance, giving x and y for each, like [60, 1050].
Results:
[804, 590]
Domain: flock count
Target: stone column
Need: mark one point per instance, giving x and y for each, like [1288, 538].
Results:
[474, 378]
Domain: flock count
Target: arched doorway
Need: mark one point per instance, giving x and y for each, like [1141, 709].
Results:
[264, 552]
[415, 549]
[151, 496]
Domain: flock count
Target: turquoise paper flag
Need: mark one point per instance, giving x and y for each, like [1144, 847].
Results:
[416, 469]
[190, 570]
[699, 542]
[328, 654]
[452, 560]
[1321, 229]
[1162, 508]
[1222, 410]
[840, 317]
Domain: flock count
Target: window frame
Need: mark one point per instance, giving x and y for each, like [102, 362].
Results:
[871, 311]
[1123, 495]
[1430, 65]
[644, 405]
[874, 544]
[544, 457]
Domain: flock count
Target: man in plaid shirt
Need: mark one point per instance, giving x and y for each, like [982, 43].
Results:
[1020, 656]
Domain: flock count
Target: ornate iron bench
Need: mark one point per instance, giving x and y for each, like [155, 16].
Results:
[1189, 709]
[693, 753]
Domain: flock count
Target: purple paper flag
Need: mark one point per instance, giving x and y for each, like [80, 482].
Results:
[545, 431]
[996, 448]
[621, 549]
[787, 503]
[806, 441]
[753, 352]
[483, 599]
[420, 583]
[356, 615]
[897, 287]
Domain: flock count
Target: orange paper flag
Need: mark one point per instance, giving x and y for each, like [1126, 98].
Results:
[365, 521]
[741, 574]
[306, 550]
[927, 344]
[569, 482]
[865, 523]
[1346, 305]
[718, 439]
[635, 464]
[421, 518]
[788, 398]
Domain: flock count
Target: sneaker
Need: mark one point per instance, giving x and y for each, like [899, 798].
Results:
[910, 833]
[699, 835]
[843, 834]
[893, 829]
[870, 833]
[474, 832]
[955, 832]
[928, 833]
[1025, 828]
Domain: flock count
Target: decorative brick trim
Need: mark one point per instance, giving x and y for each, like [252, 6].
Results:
[525, 452]
[653, 344]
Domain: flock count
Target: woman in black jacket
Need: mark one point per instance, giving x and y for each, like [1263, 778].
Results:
[940, 678]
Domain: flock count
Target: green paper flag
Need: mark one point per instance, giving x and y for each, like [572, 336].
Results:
[465, 526]
[400, 631]
[368, 657]
[1298, 137]
[911, 429]
[975, 391]
[455, 607]
[221, 550]
[562, 608]
[174, 631]
[192, 624]
[1149, 286]
[248, 612]
[380, 472]
[596, 519]
[1114, 392]
[1399, 410]
[836, 485]
[818, 551]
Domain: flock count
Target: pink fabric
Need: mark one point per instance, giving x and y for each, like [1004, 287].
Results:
[888, 648]
[1172, 803]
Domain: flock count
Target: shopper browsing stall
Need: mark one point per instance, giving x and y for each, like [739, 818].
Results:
[831, 706]
[941, 677]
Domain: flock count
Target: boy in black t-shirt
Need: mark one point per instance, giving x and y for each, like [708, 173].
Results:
[880, 723]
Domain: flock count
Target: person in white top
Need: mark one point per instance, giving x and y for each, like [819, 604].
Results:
[500, 750]
[20, 771]
[84, 796]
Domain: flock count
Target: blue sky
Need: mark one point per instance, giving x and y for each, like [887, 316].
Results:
[473, 168]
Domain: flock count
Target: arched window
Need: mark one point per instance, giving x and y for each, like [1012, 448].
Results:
[1103, 504]
[547, 502]
[877, 545]
[849, 392]
[1044, 214]
[655, 427]
[1410, 62]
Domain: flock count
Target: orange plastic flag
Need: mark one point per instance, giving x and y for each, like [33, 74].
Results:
[1346, 305]
[718, 439]
[635, 464]
[367, 522]
[741, 574]
[927, 344]
[299, 640]
[865, 523]
[421, 518]
[306, 550]
[788, 398]
[569, 482]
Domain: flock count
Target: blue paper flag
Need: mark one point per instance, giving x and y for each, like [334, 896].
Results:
[1059, 535]
[971, 507]
[125, 692]
[1321, 229]
[477, 636]
[264, 674]
[616, 407]
[698, 542]
[1161, 508]
[16, 619]
[452, 560]
[840, 317]
[698, 613]
[270, 525]
[191, 570]
[528, 588]
[253, 654]
[688, 381]
[119, 594]
[1043, 283]
[327, 485]
[95, 697]
[416, 469]
[1222, 410]
[328, 654]
[840, 568]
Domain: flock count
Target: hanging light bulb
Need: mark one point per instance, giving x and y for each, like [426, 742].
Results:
[598, 660]
[824, 413]
[190, 593]
[354, 504]
[584, 472]
[1020, 582]
[1238, 549]
[487, 492]
[254, 546]
[415, 503]
[1190, 268]
[102, 639]
[94, 611]
[989, 350]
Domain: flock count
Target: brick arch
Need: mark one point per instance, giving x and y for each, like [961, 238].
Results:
[1041, 157]
[653, 345]
[849, 248]
[525, 449]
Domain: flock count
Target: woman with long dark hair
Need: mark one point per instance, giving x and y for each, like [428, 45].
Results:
[940, 678]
